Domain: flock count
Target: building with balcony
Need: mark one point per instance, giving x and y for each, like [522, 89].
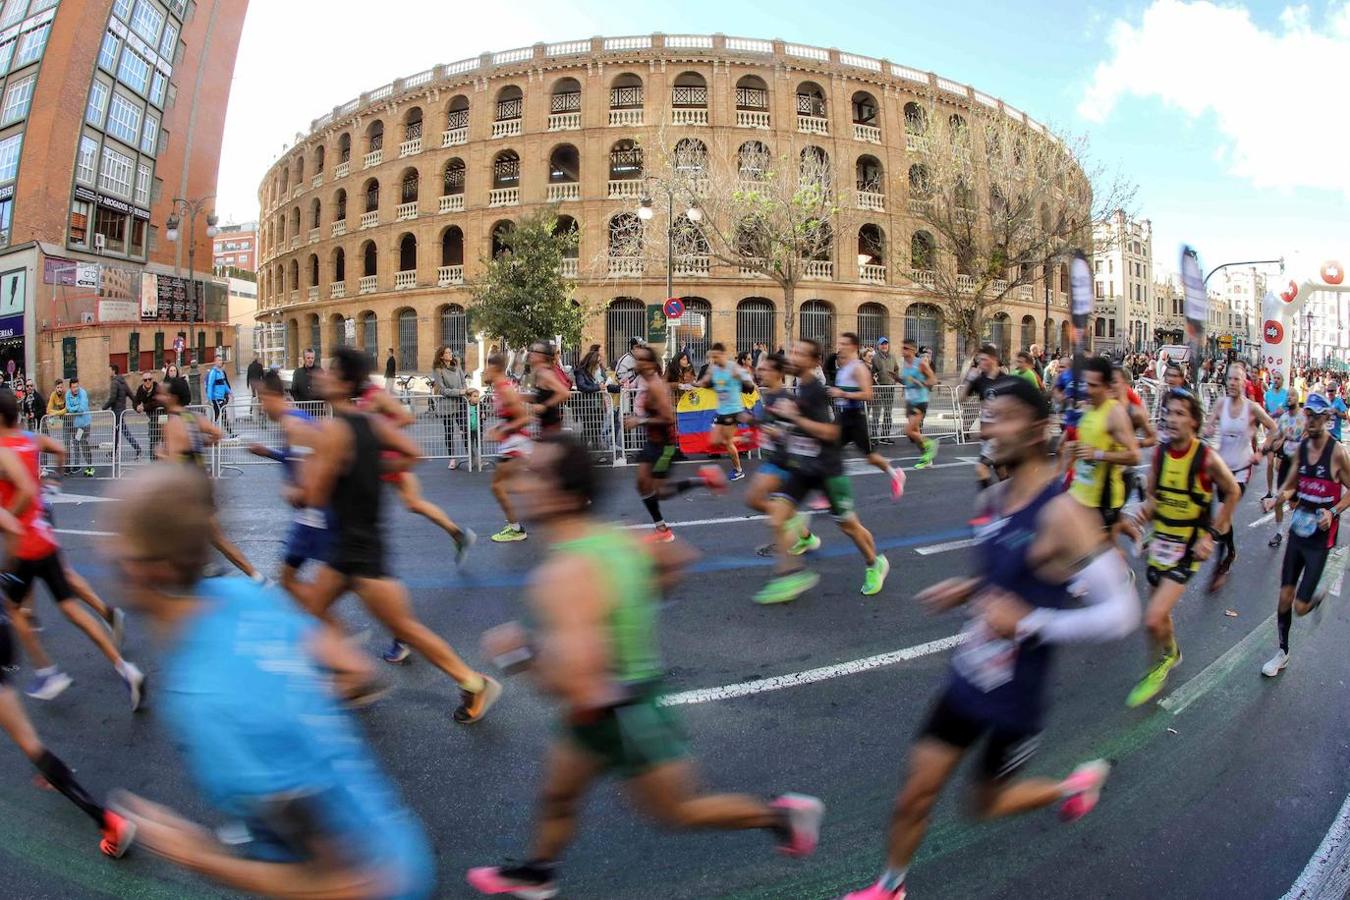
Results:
[375, 224]
[1123, 286]
[110, 109]
[236, 247]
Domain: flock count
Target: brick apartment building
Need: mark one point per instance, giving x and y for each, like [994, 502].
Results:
[236, 246]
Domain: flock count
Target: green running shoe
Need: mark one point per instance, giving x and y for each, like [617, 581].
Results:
[805, 545]
[509, 534]
[1152, 683]
[930, 447]
[876, 576]
[786, 588]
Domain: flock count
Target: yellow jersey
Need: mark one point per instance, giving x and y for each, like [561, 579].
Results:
[1098, 485]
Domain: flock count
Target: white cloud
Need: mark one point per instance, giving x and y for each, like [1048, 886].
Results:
[1276, 96]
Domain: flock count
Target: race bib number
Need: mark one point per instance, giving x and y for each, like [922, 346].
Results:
[1084, 471]
[1304, 522]
[984, 659]
[1165, 553]
[800, 445]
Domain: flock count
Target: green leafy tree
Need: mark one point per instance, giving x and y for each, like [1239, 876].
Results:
[522, 295]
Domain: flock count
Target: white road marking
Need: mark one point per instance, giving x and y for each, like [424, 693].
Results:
[722, 521]
[1327, 873]
[943, 548]
[810, 676]
[1261, 521]
[86, 533]
[80, 498]
[1211, 674]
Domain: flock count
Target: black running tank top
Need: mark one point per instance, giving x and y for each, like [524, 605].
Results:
[356, 494]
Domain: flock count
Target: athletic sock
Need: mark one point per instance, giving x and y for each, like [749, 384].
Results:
[61, 778]
[1227, 539]
[891, 879]
[121, 667]
[1171, 650]
[1285, 619]
[46, 671]
[686, 484]
[474, 684]
[653, 504]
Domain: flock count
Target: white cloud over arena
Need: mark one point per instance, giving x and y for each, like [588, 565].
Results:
[1277, 97]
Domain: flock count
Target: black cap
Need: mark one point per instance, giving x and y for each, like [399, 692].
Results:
[1023, 390]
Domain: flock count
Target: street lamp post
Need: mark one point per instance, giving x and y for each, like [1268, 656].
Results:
[645, 213]
[189, 209]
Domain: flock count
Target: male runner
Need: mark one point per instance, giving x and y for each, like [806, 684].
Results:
[654, 411]
[1040, 549]
[512, 439]
[343, 475]
[597, 599]
[813, 463]
[1104, 445]
[918, 378]
[247, 702]
[1173, 377]
[36, 556]
[851, 392]
[728, 381]
[377, 400]
[772, 472]
[1290, 432]
[1235, 418]
[1185, 476]
[1276, 399]
[979, 381]
[1317, 483]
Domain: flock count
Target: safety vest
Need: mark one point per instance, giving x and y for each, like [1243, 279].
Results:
[1098, 485]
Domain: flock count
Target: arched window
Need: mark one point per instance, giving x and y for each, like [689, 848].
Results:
[295, 221]
[625, 161]
[870, 177]
[872, 323]
[337, 330]
[292, 341]
[369, 259]
[285, 182]
[452, 246]
[345, 148]
[295, 275]
[510, 104]
[319, 154]
[564, 165]
[412, 124]
[865, 109]
[817, 323]
[625, 235]
[810, 100]
[625, 318]
[339, 266]
[408, 186]
[923, 326]
[694, 333]
[1064, 342]
[502, 233]
[959, 131]
[407, 253]
[454, 330]
[690, 91]
[691, 157]
[407, 338]
[566, 97]
[755, 324]
[457, 114]
[872, 253]
[315, 213]
[315, 335]
[814, 167]
[313, 270]
[916, 119]
[752, 95]
[998, 331]
[505, 170]
[368, 333]
[568, 226]
[453, 177]
[1028, 332]
[299, 170]
[372, 195]
[754, 161]
[375, 136]
[920, 184]
[922, 251]
[625, 92]
[1099, 328]
[340, 205]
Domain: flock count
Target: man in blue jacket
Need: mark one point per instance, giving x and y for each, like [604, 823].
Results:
[218, 394]
[77, 419]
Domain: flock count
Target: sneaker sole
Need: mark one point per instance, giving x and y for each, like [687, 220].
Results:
[523, 892]
[762, 601]
[809, 808]
[120, 849]
[491, 693]
[867, 593]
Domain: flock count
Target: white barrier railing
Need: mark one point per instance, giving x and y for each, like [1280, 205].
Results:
[90, 445]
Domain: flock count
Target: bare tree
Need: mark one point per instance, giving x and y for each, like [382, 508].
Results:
[998, 205]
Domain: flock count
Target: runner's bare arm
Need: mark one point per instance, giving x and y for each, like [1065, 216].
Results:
[395, 440]
[572, 660]
[1122, 430]
[557, 391]
[175, 439]
[13, 471]
[671, 561]
[1340, 464]
[47, 444]
[1263, 418]
[929, 379]
[1141, 423]
[210, 433]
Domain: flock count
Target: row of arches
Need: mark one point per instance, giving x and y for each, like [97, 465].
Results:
[451, 329]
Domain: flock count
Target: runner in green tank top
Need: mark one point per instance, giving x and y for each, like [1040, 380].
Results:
[596, 650]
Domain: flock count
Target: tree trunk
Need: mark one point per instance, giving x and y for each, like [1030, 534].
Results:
[789, 314]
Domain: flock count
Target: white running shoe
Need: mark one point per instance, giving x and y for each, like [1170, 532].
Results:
[1276, 663]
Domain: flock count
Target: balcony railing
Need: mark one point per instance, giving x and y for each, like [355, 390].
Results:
[625, 188]
[509, 196]
[871, 200]
[293, 297]
[317, 180]
[1024, 292]
[925, 277]
[916, 143]
[752, 118]
[338, 228]
[570, 190]
[405, 279]
[631, 266]
[918, 206]
[367, 284]
[455, 137]
[625, 118]
[692, 266]
[450, 203]
[871, 273]
[314, 235]
[410, 147]
[297, 191]
[506, 128]
[965, 282]
[370, 219]
[295, 241]
[448, 275]
[567, 268]
[818, 268]
[869, 133]
[564, 121]
[342, 169]
[689, 116]
[998, 285]
[337, 290]
[812, 124]
[750, 266]
[374, 158]
[312, 292]
[405, 211]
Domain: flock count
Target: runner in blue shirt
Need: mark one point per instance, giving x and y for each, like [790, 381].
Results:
[727, 381]
[1276, 399]
[258, 724]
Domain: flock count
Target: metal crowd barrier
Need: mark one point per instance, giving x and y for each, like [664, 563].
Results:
[92, 446]
[245, 426]
[886, 416]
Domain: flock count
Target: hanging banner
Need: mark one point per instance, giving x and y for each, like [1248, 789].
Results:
[694, 414]
[656, 324]
[13, 290]
[1080, 307]
[1196, 306]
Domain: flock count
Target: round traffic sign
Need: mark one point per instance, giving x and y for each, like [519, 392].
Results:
[673, 308]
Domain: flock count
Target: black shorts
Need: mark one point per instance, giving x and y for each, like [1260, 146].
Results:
[853, 430]
[730, 419]
[1286, 463]
[19, 580]
[1304, 561]
[1005, 750]
[1181, 573]
[836, 488]
[912, 408]
[8, 664]
[1110, 516]
[659, 456]
[363, 561]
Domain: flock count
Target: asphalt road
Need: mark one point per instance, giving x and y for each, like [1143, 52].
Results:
[1226, 797]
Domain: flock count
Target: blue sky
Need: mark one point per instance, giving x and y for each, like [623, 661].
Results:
[1216, 112]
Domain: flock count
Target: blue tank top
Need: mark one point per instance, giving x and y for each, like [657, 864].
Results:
[996, 680]
[289, 455]
[846, 378]
[916, 386]
[727, 386]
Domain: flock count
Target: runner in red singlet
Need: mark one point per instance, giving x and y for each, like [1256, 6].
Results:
[513, 439]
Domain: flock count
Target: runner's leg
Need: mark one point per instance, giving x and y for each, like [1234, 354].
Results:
[28, 639]
[500, 476]
[667, 793]
[231, 552]
[570, 771]
[931, 765]
[17, 725]
[387, 600]
[729, 432]
[410, 492]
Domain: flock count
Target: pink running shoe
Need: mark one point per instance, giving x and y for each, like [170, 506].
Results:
[803, 818]
[897, 483]
[714, 478]
[876, 892]
[661, 536]
[512, 881]
[1084, 787]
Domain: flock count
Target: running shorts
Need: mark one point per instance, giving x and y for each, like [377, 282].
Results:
[1110, 516]
[853, 430]
[836, 488]
[912, 408]
[659, 456]
[19, 580]
[631, 738]
[772, 470]
[358, 561]
[305, 541]
[728, 419]
[515, 446]
[1005, 750]
[1286, 463]
[7, 662]
[390, 477]
[1305, 557]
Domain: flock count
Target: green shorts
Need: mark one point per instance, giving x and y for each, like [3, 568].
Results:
[633, 738]
[836, 488]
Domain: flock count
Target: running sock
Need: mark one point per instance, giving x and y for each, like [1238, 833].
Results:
[474, 683]
[121, 667]
[59, 776]
[46, 671]
[653, 504]
[891, 879]
[1226, 539]
[1171, 650]
[686, 484]
[1285, 619]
